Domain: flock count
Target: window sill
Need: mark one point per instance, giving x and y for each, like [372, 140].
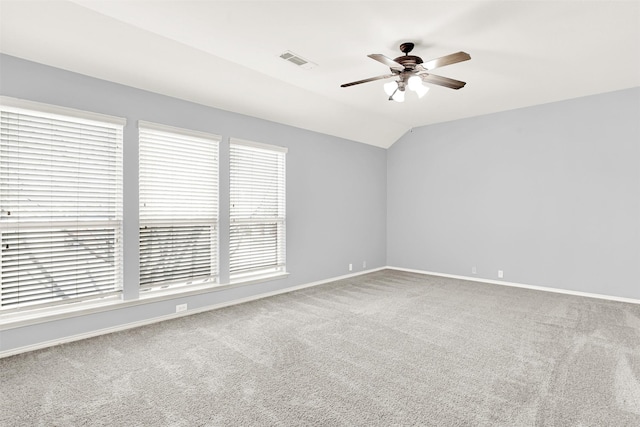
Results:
[47, 314]
[50, 314]
[259, 279]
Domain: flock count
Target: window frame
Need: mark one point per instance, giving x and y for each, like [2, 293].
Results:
[79, 123]
[169, 222]
[238, 219]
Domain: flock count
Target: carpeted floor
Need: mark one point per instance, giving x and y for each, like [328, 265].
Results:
[384, 349]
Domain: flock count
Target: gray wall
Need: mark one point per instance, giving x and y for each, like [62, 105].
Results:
[336, 191]
[550, 194]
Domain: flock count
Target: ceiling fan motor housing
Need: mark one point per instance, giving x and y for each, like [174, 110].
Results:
[409, 62]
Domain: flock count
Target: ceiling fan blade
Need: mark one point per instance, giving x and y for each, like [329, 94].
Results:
[370, 79]
[446, 60]
[442, 81]
[386, 61]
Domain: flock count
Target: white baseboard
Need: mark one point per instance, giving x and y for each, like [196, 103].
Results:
[520, 285]
[131, 325]
[91, 334]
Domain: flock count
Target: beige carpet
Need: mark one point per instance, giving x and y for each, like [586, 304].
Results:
[388, 348]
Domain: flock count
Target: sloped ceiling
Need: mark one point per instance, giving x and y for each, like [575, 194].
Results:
[225, 54]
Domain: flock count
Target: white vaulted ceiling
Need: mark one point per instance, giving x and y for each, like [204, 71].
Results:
[225, 54]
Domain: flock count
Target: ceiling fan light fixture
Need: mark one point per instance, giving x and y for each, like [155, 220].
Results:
[390, 88]
[415, 84]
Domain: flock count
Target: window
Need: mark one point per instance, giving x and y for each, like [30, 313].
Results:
[60, 205]
[178, 206]
[257, 205]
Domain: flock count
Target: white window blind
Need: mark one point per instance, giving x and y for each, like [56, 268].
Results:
[178, 206]
[257, 210]
[60, 205]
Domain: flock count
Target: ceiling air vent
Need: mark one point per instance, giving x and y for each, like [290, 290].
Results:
[298, 60]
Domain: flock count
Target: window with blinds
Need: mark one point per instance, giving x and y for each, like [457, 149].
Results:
[60, 205]
[257, 210]
[178, 206]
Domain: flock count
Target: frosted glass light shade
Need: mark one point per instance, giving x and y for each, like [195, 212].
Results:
[421, 91]
[414, 83]
[390, 87]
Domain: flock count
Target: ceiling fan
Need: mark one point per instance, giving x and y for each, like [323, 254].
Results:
[411, 71]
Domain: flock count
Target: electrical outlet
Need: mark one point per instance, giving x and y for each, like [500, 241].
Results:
[364, 264]
[473, 269]
[350, 267]
[500, 274]
[181, 307]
